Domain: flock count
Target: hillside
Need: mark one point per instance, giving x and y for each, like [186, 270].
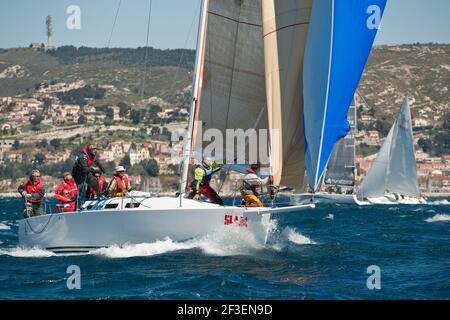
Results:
[166, 73]
[420, 71]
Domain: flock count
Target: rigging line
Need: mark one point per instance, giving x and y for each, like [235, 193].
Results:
[234, 65]
[210, 84]
[146, 47]
[114, 24]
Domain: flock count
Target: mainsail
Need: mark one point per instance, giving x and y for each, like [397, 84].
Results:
[339, 41]
[341, 166]
[232, 93]
[394, 168]
[401, 173]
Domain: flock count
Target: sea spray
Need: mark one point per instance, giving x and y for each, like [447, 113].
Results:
[439, 218]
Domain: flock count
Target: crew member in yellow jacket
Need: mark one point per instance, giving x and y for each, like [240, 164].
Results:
[252, 185]
[202, 176]
[119, 185]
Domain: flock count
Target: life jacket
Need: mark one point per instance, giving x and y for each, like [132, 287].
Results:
[70, 186]
[66, 204]
[101, 182]
[30, 188]
[206, 176]
[90, 159]
[120, 185]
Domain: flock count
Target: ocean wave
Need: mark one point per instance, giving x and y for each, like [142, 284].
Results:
[4, 227]
[439, 218]
[444, 202]
[20, 252]
[290, 236]
[330, 216]
[295, 237]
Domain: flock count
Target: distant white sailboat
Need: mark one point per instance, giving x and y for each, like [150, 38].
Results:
[392, 179]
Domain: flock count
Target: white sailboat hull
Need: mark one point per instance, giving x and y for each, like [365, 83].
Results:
[391, 200]
[159, 218]
[322, 197]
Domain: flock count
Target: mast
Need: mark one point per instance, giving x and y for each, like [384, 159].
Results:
[189, 142]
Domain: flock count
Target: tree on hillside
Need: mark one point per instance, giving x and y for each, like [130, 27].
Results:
[43, 143]
[126, 161]
[124, 109]
[425, 144]
[135, 116]
[82, 120]
[109, 113]
[55, 143]
[153, 110]
[39, 159]
[152, 168]
[16, 144]
[36, 120]
[155, 131]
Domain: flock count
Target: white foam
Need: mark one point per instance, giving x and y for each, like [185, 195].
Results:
[439, 202]
[20, 252]
[141, 249]
[4, 227]
[295, 237]
[439, 218]
[330, 216]
[290, 235]
[223, 242]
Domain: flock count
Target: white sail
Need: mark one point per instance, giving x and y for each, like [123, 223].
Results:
[374, 183]
[232, 93]
[401, 173]
[285, 30]
[394, 168]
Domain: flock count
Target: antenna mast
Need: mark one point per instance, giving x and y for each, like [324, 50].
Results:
[48, 22]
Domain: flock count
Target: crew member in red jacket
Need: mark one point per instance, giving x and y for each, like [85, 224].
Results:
[33, 194]
[67, 203]
[68, 184]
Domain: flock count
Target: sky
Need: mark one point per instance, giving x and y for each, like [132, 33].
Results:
[174, 23]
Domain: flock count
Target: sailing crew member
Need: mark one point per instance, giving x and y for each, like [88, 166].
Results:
[67, 201]
[81, 170]
[33, 194]
[252, 185]
[69, 184]
[119, 185]
[102, 184]
[202, 177]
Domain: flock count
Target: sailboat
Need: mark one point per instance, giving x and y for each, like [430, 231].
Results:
[338, 184]
[260, 64]
[392, 178]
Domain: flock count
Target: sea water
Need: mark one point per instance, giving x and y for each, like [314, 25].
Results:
[326, 253]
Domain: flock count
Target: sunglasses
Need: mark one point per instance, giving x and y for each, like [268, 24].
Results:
[97, 176]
